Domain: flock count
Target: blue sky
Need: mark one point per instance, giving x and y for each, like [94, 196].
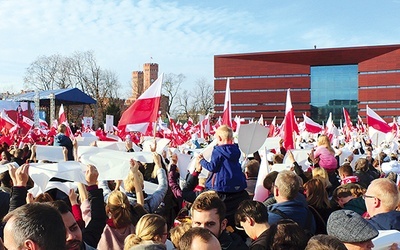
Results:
[182, 36]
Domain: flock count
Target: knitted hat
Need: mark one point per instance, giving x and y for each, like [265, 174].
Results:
[350, 227]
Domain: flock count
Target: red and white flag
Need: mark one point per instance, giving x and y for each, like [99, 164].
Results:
[311, 126]
[272, 128]
[347, 119]
[144, 110]
[290, 124]
[227, 115]
[375, 121]
[6, 122]
[62, 118]
[27, 122]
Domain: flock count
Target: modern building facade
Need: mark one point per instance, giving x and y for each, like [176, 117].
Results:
[321, 81]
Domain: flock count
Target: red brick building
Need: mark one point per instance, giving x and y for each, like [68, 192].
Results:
[321, 81]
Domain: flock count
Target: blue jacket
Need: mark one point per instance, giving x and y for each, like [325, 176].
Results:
[64, 141]
[296, 210]
[225, 171]
[386, 221]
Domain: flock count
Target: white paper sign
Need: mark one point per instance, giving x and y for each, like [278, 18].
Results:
[109, 126]
[251, 137]
[50, 153]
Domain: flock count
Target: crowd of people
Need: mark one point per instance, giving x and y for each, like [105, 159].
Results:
[332, 205]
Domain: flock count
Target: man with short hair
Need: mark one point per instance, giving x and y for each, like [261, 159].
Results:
[199, 238]
[208, 211]
[351, 229]
[253, 217]
[290, 204]
[34, 226]
[88, 237]
[381, 200]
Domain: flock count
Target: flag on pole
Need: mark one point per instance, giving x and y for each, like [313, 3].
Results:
[144, 110]
[375, 121]
[347, 119]
[289, 126]
[227, 115]
[311, 126]
[62, 118]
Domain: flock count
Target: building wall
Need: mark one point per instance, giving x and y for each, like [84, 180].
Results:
[259, 81]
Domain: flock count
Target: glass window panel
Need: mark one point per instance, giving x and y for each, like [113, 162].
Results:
[332, 88]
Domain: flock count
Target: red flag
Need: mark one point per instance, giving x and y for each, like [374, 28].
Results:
[375, 121]
[144, 110]
[289, 125]
[62, 118]
[311, 126]
[227, 115]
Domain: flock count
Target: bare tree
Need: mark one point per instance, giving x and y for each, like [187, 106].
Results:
[80, 70]
[203, 96]
[48, 72]
[171, 87]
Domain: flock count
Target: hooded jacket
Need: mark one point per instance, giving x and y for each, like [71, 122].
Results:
[225, 171]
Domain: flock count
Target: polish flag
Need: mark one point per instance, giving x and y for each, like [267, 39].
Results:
[205, 126]
[27, 122]
[261, 120]
[43, 124]
[227, 115]
[375, 121]
[311, 126]
[144, 110]
[347, 119]
[272, 128]
[289, 126]
[5, 121]
[62, 118]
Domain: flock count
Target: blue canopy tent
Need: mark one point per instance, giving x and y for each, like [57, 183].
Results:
[67, 97]
[73, 96]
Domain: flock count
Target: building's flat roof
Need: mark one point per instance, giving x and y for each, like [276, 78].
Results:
[323, 56]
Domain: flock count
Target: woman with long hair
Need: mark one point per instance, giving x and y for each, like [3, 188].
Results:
[151, 229]
[318, 203]
[119, 225]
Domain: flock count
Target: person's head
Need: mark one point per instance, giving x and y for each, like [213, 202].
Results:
[344, 193]
[325, 242]
[151, 227]
[43, 197]
[208, 211]
[5, 155]
[199, 238]
[322, 174]
[361, 165]
[345, 170]
[73, 232]
[5, 179]
[251, 168]
[269, 180]
[224, 135]
[129, 183]
[286, 186]
[278, 159]
[316, 193]
[323, 140]
[287, 235]
[351, 229]
[34, 226]
[381, 196]
[62, 128]
[249, 215]
[118, 208]
[178, 231]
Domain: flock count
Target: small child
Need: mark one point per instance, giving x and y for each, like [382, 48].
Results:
[226, 174]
